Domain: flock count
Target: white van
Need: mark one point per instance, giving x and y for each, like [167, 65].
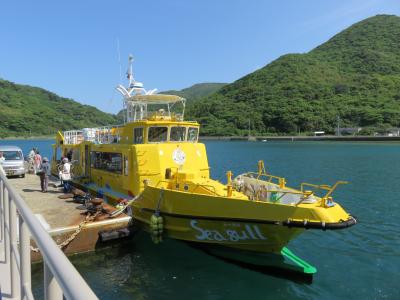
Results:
[13, 164]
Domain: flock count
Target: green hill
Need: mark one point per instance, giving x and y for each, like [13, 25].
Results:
[355, 75]
[197, 91]
[29, 110]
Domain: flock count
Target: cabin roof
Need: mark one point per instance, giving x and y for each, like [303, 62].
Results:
[164, 122]
[156, 99]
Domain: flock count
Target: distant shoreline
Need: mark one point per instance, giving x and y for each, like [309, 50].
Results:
[39, 137]
[302, 138]
[258, 138]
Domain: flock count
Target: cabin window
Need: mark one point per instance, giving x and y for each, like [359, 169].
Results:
[178, 134]
[192, 134]
[106, 161]
[75, 155]
[157, 134]
[138, 135]
[126, 166]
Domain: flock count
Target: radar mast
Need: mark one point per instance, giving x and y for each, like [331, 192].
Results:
[133, 110]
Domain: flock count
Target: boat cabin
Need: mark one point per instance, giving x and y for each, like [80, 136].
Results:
[151, 146]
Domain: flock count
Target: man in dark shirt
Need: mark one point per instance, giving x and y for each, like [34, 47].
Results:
[45, 173]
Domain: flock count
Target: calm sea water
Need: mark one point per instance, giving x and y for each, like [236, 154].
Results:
[362, 262]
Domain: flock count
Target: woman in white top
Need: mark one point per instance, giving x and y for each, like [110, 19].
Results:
[65, 175]
[37, 161]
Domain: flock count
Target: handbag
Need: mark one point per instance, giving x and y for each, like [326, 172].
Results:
[65, 176]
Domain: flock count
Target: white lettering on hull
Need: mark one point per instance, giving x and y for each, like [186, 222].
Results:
[251, 232]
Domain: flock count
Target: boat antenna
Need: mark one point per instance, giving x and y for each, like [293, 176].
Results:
[134, 88]
[129, 72]
[119, 61]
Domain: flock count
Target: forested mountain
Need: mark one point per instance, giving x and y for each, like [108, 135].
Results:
[26, 110]
[355, 76]
[197, 91]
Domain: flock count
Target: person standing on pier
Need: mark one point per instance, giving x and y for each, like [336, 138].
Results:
[37, 161]
[31, 160]
[44, 176]
[65, 175]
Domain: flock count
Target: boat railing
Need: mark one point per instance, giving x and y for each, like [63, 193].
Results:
[17, 226]
[306, 194]
[207, 187]
[328, 188]
[97, 135]
[107, 135]
[281, 181]
[73, 137]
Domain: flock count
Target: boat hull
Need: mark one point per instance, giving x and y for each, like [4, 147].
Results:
[253, 245]
[236, 223]
[251, 235]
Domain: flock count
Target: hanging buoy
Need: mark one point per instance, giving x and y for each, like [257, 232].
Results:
[156, 228]
[157, 222]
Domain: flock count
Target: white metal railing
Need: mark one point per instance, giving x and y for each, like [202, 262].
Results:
[60, 276]
[73, 137]
[98, 135]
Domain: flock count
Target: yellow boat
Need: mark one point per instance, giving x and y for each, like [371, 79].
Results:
[155, 162]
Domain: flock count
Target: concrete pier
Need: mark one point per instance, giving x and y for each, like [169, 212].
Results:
[61, 218]
[20, 228]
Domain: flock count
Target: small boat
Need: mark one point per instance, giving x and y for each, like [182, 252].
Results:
[154, 164]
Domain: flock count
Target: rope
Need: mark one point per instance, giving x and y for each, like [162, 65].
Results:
[89, 218]
[122, 209]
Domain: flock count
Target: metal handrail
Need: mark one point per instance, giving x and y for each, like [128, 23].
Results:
[61, 277]
[207, 187]
[266, 175]
[328, 188]
[282, 182]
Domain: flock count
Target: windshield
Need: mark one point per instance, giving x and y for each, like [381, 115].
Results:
[192, 134]
[12, 155]
[158, 134]
[178, 134]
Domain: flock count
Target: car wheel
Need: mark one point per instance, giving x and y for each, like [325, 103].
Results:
[23, 176]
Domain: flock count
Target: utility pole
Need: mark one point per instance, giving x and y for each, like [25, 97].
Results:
[249, 128]
[338, 125]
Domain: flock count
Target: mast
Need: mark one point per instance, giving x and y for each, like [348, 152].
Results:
[137, 110]
[129, 72]
[136, 99]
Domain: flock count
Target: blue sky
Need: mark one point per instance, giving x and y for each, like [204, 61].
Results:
[70, 47]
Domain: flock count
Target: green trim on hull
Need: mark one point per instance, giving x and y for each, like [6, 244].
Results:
[304, 266]
[284, 263]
